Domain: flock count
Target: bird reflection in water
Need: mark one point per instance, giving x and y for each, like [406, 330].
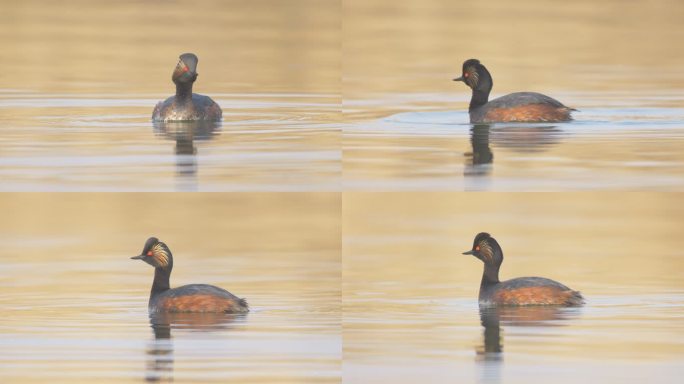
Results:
[160, 351]
[524, 139]
[184, 133]
[490, 353]
[479, 161]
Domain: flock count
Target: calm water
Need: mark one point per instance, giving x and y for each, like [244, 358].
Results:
[82, 77]
[410, 296]
[407, 124]
[357, 277]
[77, 305]
[106, 142]
[636, 143]
[299, 92]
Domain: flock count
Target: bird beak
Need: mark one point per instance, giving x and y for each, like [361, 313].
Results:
[459, 79]
[469, 252]
[139, 257]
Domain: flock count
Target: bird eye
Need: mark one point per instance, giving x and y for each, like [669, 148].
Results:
[149, 253]
[465, 74]
[477, 248]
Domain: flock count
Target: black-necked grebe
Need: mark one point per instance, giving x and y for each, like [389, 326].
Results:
[185, 105]
[517, 107]
[520, 291]
[188, 298]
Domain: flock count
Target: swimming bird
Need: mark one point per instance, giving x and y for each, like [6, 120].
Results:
[518, 291]
[515, 107]
[185, 105]
[188, 298]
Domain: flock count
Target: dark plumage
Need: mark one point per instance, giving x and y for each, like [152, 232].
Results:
[519, 291]
[188, 298]
[185, 105]
[515, 107]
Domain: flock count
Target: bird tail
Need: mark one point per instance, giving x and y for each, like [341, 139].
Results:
[244, 305]
[574, 299]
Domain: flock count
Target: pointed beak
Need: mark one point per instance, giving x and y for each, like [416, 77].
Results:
[139, 257]
[469, 252]
[459, 79]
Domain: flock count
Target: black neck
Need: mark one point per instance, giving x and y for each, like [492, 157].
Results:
[481, 91]
[184, 92]
[490, 276]
[480, 98]
[161, 281]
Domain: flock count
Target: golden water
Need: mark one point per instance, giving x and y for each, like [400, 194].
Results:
[76, 305]
[80, 80]
[410, 296]
[407, 123]
[357, 277]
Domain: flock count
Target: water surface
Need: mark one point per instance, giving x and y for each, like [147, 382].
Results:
[406, 120]
[628, 143]
[77, 305]
[410, 296]
[106, 142]
[81, 79]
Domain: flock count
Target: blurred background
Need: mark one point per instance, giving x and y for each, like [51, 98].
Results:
[419, 46]
[618, 63]
[81, 79]
[77, 305]
[410, 296]
[303, 83]
[133, 46]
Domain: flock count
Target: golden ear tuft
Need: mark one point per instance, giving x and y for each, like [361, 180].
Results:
[160, 255]
[472, 77]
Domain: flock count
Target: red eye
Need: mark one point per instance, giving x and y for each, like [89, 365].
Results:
[149, 253]
[465, 74]
[477, 248]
